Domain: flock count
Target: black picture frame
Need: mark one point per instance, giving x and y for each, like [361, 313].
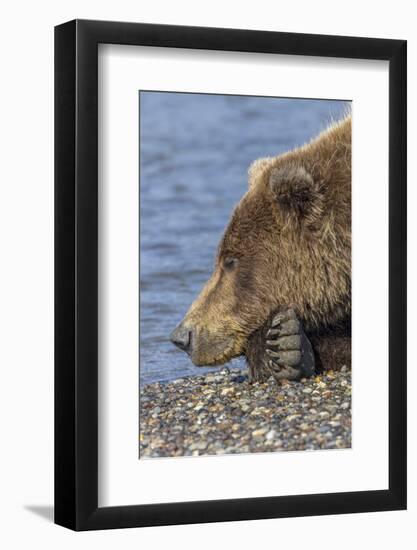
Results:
[76, 272]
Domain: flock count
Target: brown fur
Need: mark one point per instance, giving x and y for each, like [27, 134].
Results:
[291, 237]
[332, 352]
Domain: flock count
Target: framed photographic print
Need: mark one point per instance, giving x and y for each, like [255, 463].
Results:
[230, 275]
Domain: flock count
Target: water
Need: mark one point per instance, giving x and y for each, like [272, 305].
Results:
[195, 150]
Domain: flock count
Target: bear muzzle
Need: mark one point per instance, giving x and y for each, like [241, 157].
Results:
[204, 348]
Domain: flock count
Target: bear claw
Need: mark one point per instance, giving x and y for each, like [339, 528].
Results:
[286, 358]
[286, 342]
[286, 315]
[292, 326]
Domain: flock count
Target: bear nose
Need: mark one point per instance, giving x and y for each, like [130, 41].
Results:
[181, 337]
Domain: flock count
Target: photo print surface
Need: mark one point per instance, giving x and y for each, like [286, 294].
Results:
[245, 274]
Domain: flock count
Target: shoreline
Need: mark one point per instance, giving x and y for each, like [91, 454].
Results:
[222, 413]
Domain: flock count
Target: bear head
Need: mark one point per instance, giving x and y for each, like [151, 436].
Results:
[287, 243]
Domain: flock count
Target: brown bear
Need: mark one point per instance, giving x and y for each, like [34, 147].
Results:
[280, 292]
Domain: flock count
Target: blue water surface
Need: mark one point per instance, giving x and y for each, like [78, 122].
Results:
[195, 150]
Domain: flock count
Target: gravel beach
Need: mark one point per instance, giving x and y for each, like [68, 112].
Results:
[223, 413]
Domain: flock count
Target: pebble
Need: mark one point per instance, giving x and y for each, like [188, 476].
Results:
[227, 391]
[223, 413]
[272, 434]
[260, 432]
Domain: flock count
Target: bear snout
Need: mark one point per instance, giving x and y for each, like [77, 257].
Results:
[181, 337]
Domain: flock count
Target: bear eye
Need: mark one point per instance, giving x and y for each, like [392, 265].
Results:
[230, 263]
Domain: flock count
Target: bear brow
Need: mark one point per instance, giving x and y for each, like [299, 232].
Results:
[225, 247]
[246, 220]
[229, 246]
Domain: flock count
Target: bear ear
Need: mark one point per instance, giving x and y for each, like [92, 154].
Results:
[298, 196]
[256, 169]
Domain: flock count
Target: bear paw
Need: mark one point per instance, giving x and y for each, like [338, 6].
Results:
[281, 349]
[289, 351]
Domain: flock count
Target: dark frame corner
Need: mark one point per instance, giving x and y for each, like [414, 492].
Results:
[76, 177]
